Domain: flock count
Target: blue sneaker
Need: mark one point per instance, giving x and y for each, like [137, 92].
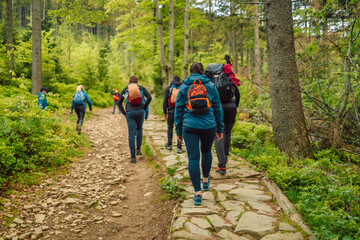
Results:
[206, 185]
[197, 199]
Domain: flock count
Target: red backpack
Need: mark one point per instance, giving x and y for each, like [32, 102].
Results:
[198, 100]
[134, 96]
[116, 97]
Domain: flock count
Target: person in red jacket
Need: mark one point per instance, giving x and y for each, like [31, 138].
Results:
[116, 96]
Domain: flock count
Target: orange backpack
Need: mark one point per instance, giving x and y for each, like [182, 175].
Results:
[134, 96]
[198, 99]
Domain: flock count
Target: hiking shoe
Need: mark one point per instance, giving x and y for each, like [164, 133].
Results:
[138, 152]
[168, 147]
[113, 113]
[133, 159]
[206, 185]
[197, 199]
[179, 150]
[221, 170]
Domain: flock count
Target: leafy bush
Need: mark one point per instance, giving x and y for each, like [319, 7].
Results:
[325, 190]
[171, 187]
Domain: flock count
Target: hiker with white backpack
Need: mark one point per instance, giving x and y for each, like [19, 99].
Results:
[79, 101]
[170, 95]
[134, 113]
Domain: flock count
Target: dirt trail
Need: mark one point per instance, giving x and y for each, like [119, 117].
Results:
[103, 195]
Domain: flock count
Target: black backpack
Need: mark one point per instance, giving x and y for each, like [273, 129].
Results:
[222, 82]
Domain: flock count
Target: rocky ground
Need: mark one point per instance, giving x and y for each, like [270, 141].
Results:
[237, 207]
[102, 196]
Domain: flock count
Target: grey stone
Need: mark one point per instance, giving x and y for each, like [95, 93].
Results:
[218, 222]
[189, 236]
[286, 227]
[179, 223]
[225, 234]
[221, 197]
[202, 223]
[208, 195]
[224, 187]
[256, 225]
[284, 236]
[244, 194]
[147, 194]
[30, 206]
[39, 218]
[196, 230]
[38, 232]
[25, 235]
[178, 176]
[197, 211]
[261, 207]
[71, 201]
[18, 221]
[233, 206]
[233, 217]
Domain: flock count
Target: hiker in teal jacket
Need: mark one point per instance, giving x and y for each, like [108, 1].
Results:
[80, 107]
[42, 102]
[196, 127]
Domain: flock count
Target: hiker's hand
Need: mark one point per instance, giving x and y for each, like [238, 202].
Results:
[219, 136]
[237, 111]
[71, 112]
[180, 138]
[166, 116]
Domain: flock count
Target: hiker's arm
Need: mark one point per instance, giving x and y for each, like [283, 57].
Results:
[72, 104]
[88, 101]
[121, 99]
[41, 101]
[148, 98]
[218, 112]
[237, 96]
[179, 113]
[165, 103]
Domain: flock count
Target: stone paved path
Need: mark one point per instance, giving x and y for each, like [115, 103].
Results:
[237, 207]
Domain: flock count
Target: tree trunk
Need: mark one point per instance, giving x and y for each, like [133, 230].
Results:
[257, 49]
[44, 10]
[171, 40]
[233, 36]
[20, 16]
[56, 20]
[36, 47]
[123, 58]
[9, 38]
[290, 133]
[191, 45]
[186, 39]
[164, 67]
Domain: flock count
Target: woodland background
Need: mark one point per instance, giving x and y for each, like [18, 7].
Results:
[100, 43]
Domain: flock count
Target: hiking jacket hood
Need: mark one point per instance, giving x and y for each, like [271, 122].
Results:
[166, 107]
[86, 100]
[183, 117]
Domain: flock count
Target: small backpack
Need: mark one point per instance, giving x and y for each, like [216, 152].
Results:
[174, 90]
[198, 99]
[116, 97]
[79, 98]
[134, 97]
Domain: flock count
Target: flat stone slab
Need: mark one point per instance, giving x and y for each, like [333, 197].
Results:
[224, 187]
[188, 203]
[221, 196]
[233, 217]
[255, 225]
[244, 194]
[179, 223]
[286, 227]
[200, 222]
[186, 235]
[233, 206]
[225, 234]
[196, 230]
[218, 222]
[197, 211]
[284, 236]
[261, 207]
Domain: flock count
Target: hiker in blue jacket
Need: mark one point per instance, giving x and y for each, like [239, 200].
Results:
[42, 102]
[198, 119]
[79, 101]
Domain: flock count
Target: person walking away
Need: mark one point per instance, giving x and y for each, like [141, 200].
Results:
[198, 119]
[146, 116]
[79, 101]
[116, 96]
[42, 102]
[134, 113]
[169, 103]
[226, 83]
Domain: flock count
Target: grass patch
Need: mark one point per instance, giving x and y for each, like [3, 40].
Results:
[172, 188]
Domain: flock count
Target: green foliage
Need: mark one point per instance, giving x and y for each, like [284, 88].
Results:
[32, 139]
[325, 190]
[172, 189]
[171, 170]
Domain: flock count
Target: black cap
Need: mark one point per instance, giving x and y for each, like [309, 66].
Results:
[43, 89]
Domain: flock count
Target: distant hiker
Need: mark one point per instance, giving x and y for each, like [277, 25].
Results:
[42, 102]
[134, 114]
[170, 96]
[198, 119]
[226, 83]
[116, 96]
[79, 101]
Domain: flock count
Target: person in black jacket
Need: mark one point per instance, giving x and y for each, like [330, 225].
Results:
[169, 111]
[116, 96]
[134, 115]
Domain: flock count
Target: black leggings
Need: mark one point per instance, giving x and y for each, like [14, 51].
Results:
[80, 111]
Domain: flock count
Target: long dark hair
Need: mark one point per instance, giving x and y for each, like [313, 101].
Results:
[197, 67]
